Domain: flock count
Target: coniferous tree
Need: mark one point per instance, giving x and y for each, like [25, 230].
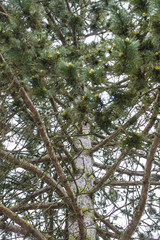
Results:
[79, 119]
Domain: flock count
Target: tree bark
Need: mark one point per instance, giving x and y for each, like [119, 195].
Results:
[81, 186]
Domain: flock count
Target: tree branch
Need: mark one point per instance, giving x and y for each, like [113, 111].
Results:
[135, 183]
[31, 196]
[105, 234]
[48, 205]
[30, 167]
[13, 228]
[3, 12]
[47, 159]
[118, 131]
[57, 28]
[106, 223]
[73, 28]
[48, 145]
[121, 170]
[154, 115]
[62, 125]
[110, 172]
[25, 225]
[146, 183]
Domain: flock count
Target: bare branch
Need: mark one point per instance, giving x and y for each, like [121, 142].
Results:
[135, 183]
[123, 171]
[47, 159]
[110, 172]
[30, 167]
[13, 228]
[154, 115]
[105, 234]
[48, 205]
[31, 196]
[25, 225]
[146, 183]
[107, 223]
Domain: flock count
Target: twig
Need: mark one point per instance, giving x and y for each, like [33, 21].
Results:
[109, 173]
[57, 28]
[107, 223]
[30, 167]
[118, 131]
[73, 29]
[146, 183]
[24, 224]
[62, 125]
[154, 115]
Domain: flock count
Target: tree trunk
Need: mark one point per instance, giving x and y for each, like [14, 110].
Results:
[83, 183]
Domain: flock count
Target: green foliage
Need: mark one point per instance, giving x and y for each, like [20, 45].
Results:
[120, 20]
[113, 194]
[140, 6]
[126, 55]
[95, 76]
[133, 140]
[91, 69]
[70, 71]
[96, 13]
[122, 98]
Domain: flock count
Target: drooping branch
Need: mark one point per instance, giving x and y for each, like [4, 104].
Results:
[25, 225]
[106, 223]
[30, 167]
[13, 228]
[146, 183]
[110, 172]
